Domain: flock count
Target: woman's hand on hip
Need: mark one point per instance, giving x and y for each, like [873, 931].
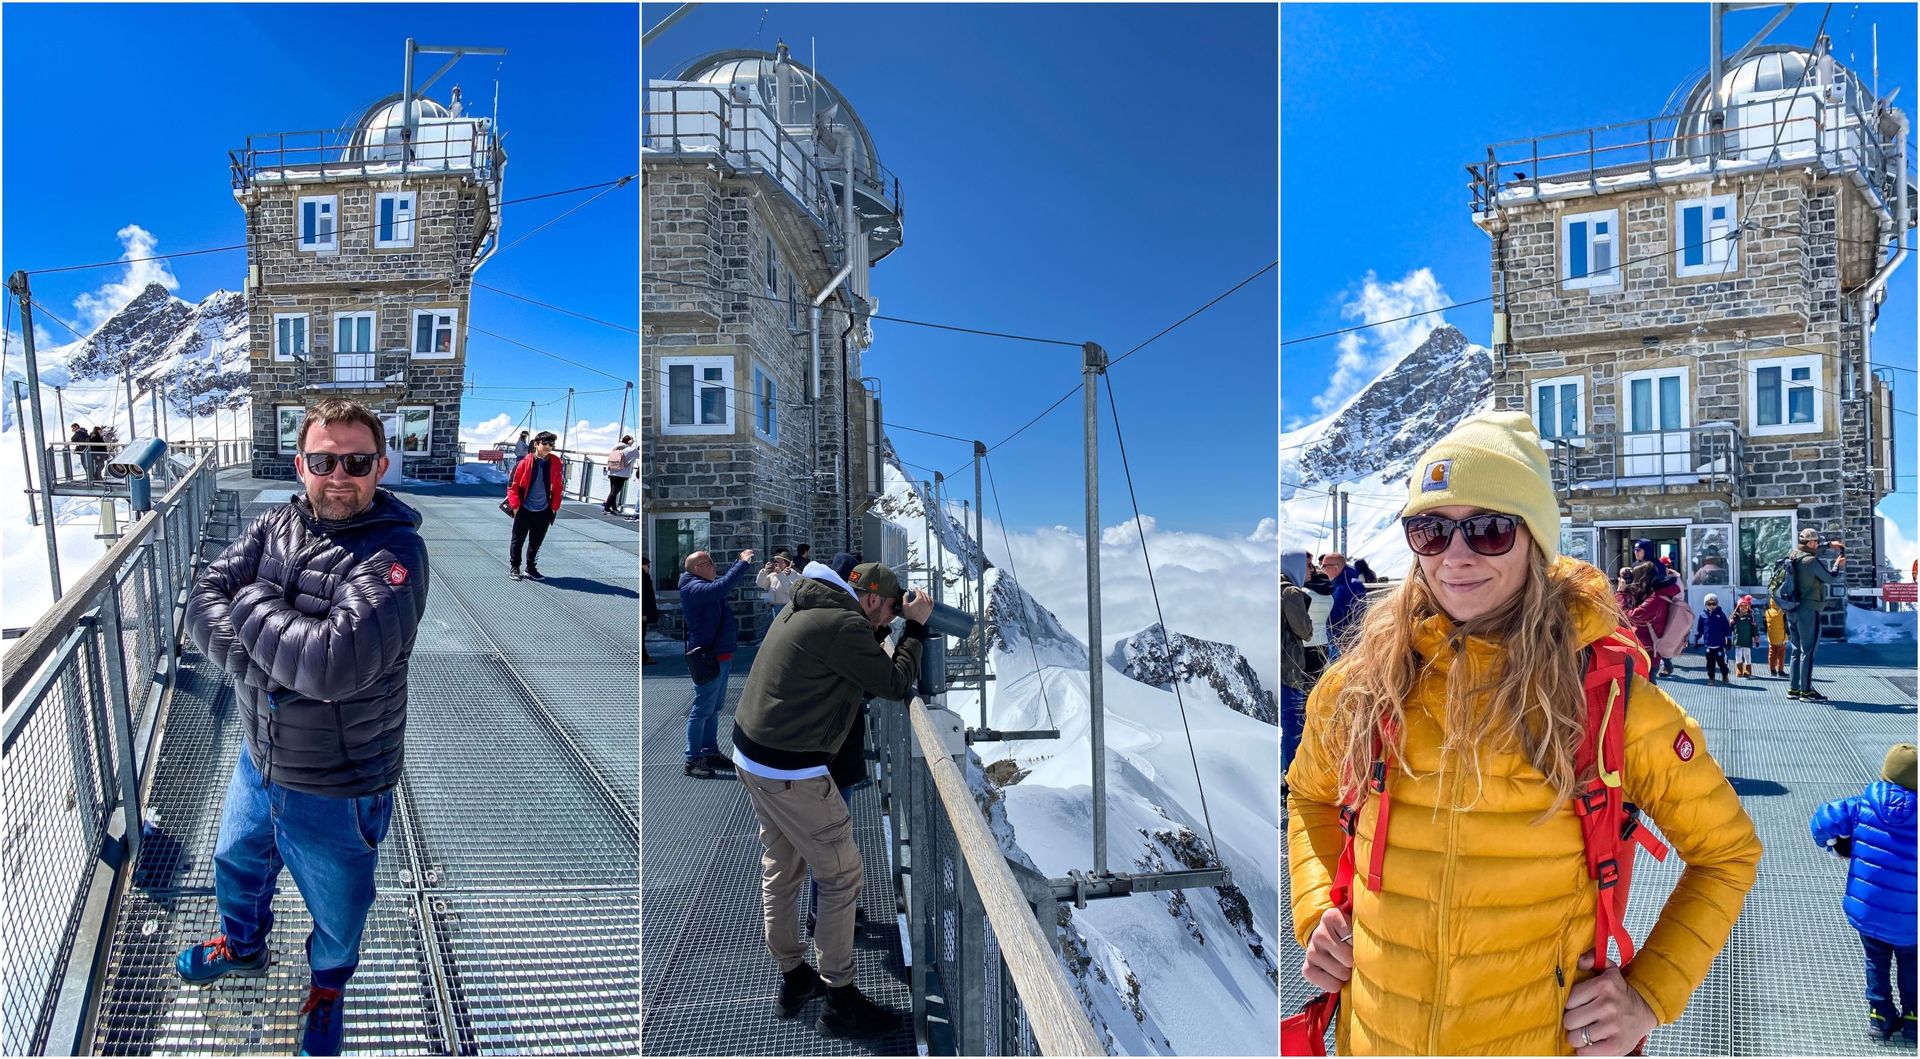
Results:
[1330, 952]
[1604, 1015]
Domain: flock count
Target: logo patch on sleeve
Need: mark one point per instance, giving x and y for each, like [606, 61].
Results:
[1683, 746]
[396, 574]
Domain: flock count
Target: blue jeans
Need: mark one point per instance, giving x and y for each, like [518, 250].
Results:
[1803, 631]
[703, 715]
[330, 845]
[1293, 724]
[1881, 960]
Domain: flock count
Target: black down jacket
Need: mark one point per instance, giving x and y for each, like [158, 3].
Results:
[314, 620]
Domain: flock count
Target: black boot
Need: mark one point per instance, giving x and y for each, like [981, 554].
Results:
[796, 988]
[514, 571]
[533, 571]
[848, 1013]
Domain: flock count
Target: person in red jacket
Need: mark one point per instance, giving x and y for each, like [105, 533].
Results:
[1643, 592]
[533, 495]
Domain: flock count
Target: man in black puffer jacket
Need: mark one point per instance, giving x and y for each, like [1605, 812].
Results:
[312, 614]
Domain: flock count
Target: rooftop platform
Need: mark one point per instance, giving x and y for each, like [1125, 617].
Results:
[508, 913]
[707, 981]
[1789, 981]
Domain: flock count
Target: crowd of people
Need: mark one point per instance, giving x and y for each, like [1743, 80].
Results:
[1506, 699]
[93, 447]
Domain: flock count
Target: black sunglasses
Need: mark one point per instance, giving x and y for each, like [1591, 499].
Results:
[358, 464]
[1486, 534]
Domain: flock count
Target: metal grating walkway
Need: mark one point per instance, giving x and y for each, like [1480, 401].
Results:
[707, 982]
[508, 911]
[1789, 981]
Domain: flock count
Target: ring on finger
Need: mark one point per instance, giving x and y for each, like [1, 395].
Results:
[1586, 1039]
[1346, 939]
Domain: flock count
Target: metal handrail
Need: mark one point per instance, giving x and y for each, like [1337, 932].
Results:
[1598, 461]
[76, 686]
[333, 152]
[981, 923]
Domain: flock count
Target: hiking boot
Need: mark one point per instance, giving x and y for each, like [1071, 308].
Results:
[699, 769]
[848, 1013]
[213, 959]
[322, 1026]
[514, 571]
[796, 988]
[716, 762]
[533, 572]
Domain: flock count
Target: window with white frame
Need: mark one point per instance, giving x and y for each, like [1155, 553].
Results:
[318, 225]
[1559, 409]
[1783, 395]
[393, 219]
[1703, 236]
[287, 419]
[697, 395]
[773, 268]
[766, 405]
[416, 429]
[289, 336]
[1590, 249]
[353, 332]
[433, 332]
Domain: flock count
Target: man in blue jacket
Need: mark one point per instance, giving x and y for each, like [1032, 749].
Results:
[1349, 599]
[1875, 830]
[712, 635]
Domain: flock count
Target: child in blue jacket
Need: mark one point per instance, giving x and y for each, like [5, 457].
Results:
[1714, 631]
[1875, 830]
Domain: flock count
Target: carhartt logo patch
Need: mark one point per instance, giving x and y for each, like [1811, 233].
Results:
[396, 574]
[1683, 747]
[1439, 476]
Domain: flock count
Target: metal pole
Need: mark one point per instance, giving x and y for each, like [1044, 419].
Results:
[60, 402]
[1344, 497]
[566, 424]
[120, 704]
[926, 537]
[26, 458]
[17, 283]
[166, 424]
[980, 596]
[1093, 365]
[621, 432]
[939, 542]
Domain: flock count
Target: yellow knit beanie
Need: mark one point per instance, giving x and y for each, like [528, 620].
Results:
[1493, 461]
[1901, 765]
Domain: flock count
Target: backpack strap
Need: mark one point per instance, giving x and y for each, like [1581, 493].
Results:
[1609, 825]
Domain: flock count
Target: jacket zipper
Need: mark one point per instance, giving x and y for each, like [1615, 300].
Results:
[1446, 896]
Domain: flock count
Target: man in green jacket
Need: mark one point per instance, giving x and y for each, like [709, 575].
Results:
[815, 664]
[1814, 579]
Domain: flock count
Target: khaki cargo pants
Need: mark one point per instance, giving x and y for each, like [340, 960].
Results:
[805, 823]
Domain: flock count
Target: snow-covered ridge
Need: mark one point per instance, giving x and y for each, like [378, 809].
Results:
[1157, 660]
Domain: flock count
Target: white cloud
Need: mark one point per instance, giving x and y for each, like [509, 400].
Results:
[489, 433]
[1216, 588]
[95, 306]
[583, 436]
[1901, 550]
[1364, 354]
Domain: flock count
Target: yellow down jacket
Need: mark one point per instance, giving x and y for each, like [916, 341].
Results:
[1471, 946]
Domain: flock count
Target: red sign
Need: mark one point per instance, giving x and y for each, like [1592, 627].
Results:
[490, 455]
[1901, 592]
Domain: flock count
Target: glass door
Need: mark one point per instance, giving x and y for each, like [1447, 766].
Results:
[395, 458]
[1657, 443]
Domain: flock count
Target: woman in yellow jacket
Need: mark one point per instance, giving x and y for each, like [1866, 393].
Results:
[1478, 940]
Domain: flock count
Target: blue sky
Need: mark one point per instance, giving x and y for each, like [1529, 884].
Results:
[1383, 106]
[134, 128]
[1077, 172]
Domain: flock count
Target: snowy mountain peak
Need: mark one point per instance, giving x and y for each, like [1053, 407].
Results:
[1157, 659]
[137, 335]
[1385, 427]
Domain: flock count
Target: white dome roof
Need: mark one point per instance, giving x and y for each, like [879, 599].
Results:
[1771, 68]
[382, 127]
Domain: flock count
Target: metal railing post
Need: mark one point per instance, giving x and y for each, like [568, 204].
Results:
[970, 964]
[122, 716]
[923, 887]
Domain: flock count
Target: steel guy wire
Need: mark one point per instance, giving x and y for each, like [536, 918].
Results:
[1159, 615]
[869, 316]
[570, 211]
[1026, 609]
[337, 231]
[544, 353]
[1269, 266]
[556, 308]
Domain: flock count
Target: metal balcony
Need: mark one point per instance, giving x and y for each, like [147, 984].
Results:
[1703, 459]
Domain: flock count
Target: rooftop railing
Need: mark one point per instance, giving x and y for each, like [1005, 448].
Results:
[437, 145]
[1801, 128]
[78, 686]
[1685, 459]
[986, 966]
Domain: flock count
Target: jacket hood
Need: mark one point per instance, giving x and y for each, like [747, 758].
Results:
[811, 592]
[386, 510]
[1898, 805]
[1293, 564]
[1595, 613]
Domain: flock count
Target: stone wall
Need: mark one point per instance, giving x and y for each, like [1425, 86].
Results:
[711, 230]
[1785, 291]
[435, 273]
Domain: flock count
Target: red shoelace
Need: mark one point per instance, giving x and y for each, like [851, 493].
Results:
[317, 995]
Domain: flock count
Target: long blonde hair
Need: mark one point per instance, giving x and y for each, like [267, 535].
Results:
[1530, 700]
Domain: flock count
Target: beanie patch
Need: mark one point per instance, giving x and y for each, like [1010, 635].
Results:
[1439, 476]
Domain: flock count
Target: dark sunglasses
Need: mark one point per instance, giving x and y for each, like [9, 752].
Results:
[358, 464]
[1486, 534]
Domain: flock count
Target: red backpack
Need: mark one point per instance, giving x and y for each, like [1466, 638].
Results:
[1609, 825]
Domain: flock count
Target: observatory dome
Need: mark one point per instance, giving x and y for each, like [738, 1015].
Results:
[1772, 72]
[810, 96]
